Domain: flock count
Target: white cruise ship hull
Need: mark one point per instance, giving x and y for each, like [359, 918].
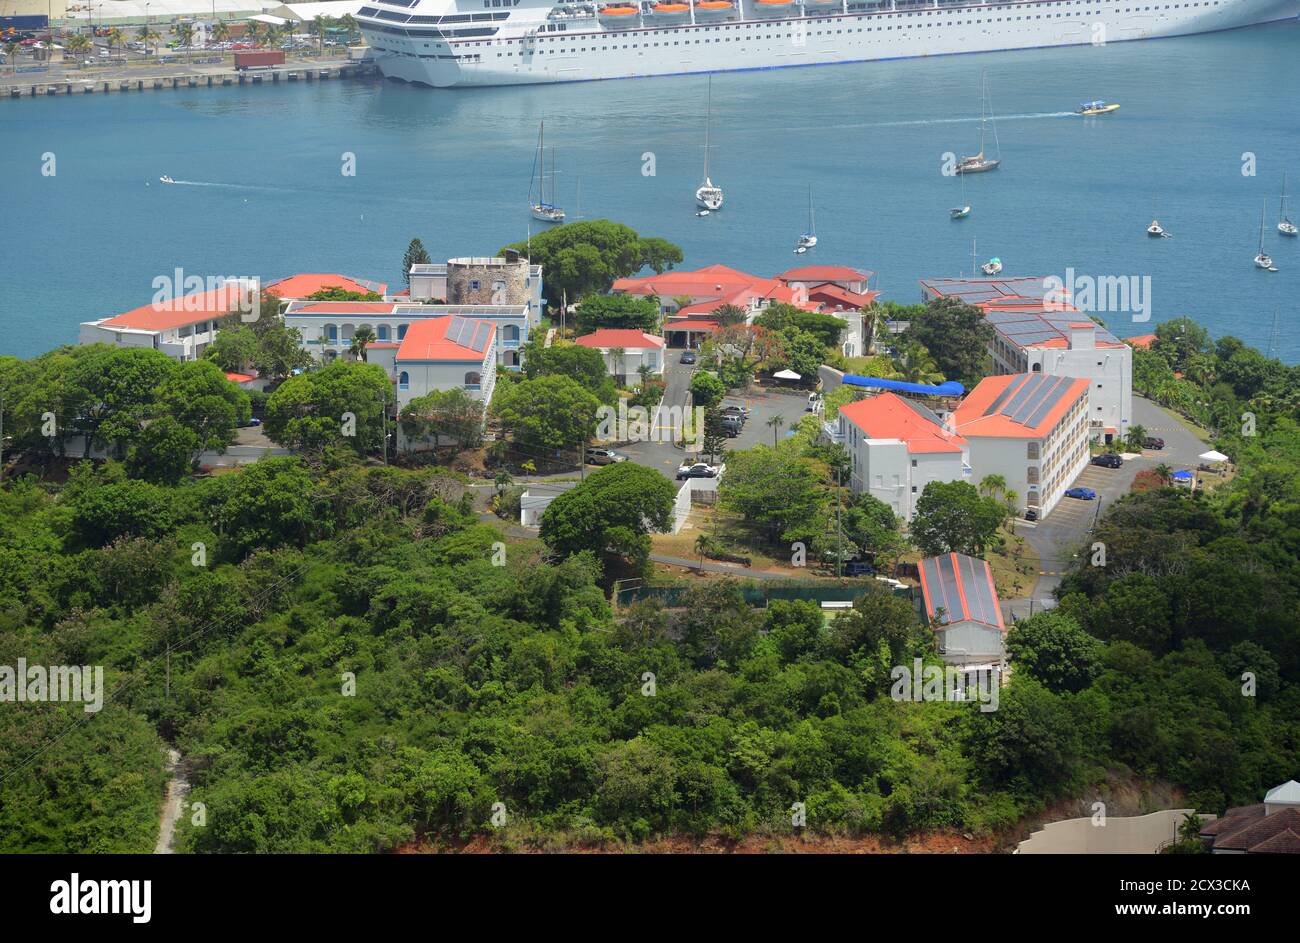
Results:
[524, 46]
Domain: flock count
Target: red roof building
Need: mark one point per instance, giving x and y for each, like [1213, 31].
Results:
[307, 284]
[959, 600]
[607, 338]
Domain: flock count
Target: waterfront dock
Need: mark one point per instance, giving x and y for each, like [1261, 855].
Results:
[70, 84]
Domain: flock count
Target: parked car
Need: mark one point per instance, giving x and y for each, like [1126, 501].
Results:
[1031, 514]
[858, 568]
[604, 457]
[814, 403]
[732, 409]
[251, 421]
[732, 424]
[1108, 460]
[1083, 494]
[697, 470]
[1153, 442]
[688, 356]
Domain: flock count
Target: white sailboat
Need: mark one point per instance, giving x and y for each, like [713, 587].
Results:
[992, 267]
[809, 237]
[541, 209]
[978, 163]
[1263, 260]
[708, 196]
[1285, 226]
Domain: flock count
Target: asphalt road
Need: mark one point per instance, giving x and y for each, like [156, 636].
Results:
[1063, 536]
[665, 456]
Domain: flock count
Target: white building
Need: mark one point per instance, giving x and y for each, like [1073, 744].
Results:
[1037, 334]
[896, 447]
[181, 328]
[626, 351]
[328, 326]
[480, 280]
[959, 600]
[1030, 428]
[440, 354]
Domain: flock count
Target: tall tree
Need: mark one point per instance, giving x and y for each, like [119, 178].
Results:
[416, 254]
[611, 512]
[957, 337]
[952, 516]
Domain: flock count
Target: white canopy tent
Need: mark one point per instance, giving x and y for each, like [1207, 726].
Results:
[268, 19]
[786, 375]
[1213, 456]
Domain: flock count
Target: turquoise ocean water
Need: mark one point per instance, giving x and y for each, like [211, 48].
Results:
[266, 196]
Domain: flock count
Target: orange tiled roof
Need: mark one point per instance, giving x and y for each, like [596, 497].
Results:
[177, 312]
[427, 340]
[613, 337]
[308, 283]
[971, 420]
[889, 416]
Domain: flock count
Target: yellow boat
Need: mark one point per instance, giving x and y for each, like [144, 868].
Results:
[1088, 109]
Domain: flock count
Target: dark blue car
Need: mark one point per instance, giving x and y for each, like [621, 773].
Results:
[1083, 494]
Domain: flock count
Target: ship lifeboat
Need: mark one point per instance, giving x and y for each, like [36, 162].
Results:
[773, 7]
[618, 16]
[714, 7]
[821, 6]
[667, 12]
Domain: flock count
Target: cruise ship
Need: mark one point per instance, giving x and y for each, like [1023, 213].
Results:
[454, 43]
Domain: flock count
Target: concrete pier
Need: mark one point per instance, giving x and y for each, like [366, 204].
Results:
[220, 78]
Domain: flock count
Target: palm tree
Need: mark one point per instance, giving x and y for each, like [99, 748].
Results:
[702, 546]
[114, 39]
[617, 354]
[727, 315]
[502, 481]
[682, 301]
[1164, 473]
[775, 424]
[916, 365]
[185, 33]
[360, 338]
[78, 44]
[11, 51]
[253, 31]
[1011, 499]
[318, 25]
[221, 32]
[993, 485]
[349, 23]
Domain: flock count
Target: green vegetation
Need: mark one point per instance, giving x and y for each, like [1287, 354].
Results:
[585, 258]
[629, 312]
[352, 661]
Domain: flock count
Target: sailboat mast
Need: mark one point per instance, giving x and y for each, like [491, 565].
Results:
[708, 119]
[1261, 230]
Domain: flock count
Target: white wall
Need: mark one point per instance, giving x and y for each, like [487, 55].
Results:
[424, 377]
[1062, 457]
[884, 469]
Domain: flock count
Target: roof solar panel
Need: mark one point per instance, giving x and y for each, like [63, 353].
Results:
[922, 411]
[481, 334]
[996, 405]
[1035, 399]
[1027, 389]
[934, 582]
[950, 592]
[979, 594]
[1039, 414]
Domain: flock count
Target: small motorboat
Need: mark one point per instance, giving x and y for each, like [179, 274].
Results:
[959, 212]
[166, 179]
[800, 249]
[703, 213]
[1157, 231]
[1088, 109]
[992, 266]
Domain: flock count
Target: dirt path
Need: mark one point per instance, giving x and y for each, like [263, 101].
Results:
[178, 788]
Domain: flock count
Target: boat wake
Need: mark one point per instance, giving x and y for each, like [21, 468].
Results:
[923, 121]
[229, 186]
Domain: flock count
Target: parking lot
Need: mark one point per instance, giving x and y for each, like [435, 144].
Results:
[763, 405]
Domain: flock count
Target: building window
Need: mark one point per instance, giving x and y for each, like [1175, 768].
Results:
[401, 331]
[473, 378]
[1031, 451]
[1037, 368]
[382, 332]
[403, 381]
[475, 284]
[510, 332]
[332, 333]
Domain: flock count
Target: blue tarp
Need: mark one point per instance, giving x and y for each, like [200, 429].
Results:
[1183, 475]
[951, 388]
